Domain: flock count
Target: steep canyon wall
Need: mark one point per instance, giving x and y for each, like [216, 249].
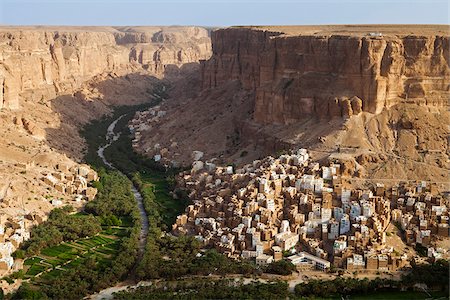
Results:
[54, 80]
[41, 63]
[296, 71]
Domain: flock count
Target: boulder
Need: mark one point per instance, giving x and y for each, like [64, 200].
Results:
[197, 155]
[197, 166]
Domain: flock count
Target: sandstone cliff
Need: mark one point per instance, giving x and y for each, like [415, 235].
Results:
[41, 63]
[54, 80]
[375, 95]
[297, 71]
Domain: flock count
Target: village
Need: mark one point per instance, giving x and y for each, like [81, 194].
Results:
[67, 185]
[289, 207]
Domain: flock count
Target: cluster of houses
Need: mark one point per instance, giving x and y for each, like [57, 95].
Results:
[290, 206]
[72, 181]
[423, 215]
[13, 232]
[144, 121]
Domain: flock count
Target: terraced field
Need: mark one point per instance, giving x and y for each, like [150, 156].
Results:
[54, 260]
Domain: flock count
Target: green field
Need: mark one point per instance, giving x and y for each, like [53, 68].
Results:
[158, 185]
[32, 261]
[119, 232]
[57, 259]
[37, 268]
[54, 251]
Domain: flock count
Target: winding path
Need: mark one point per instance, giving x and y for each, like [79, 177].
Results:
[111, 137]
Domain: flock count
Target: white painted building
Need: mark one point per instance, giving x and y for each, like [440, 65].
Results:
[263, 259]
[303, 258]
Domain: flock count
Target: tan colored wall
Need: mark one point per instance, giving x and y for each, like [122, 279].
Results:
[317, 74]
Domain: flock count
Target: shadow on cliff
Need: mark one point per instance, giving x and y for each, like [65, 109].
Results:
[227, 109]
[95, 99]
[100, 95]
[309, 132]
[186, 70]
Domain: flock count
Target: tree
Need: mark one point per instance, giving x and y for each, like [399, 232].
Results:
[281, 267]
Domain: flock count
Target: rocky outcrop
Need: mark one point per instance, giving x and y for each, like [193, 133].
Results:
[330, 74]
[37, 64]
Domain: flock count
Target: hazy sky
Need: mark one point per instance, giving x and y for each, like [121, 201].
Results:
[222, 12]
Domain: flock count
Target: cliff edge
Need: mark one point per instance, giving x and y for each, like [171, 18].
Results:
[332, 71]
[39, 63]
[375, 96]
[54, 80]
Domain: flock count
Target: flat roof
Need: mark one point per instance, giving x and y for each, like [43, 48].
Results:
[310, 257]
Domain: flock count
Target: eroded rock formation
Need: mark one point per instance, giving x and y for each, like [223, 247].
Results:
[41, 63]
[297, 71]
[55, 80]
[343, 92]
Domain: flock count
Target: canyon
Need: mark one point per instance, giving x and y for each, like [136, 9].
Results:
[38, 64]
[371, 98]
[362, 94]
[55, 80]
[358, 94]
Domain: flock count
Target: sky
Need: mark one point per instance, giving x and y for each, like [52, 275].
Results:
[222, 12]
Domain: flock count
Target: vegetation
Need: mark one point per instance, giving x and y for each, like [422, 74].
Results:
[60, 226]
[73, 266]
[210, 289]
[95, 132]
[400, 295]
[170, 257]
[114, 197]
[343, 286]
[435, 276]
[421, 250]
[27, 291]
[67, 255]
[281, 267]
[212, 262]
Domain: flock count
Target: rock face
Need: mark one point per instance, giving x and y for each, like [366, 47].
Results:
[295, 72]
[55, 80]
[376, 101]
[40, 63]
